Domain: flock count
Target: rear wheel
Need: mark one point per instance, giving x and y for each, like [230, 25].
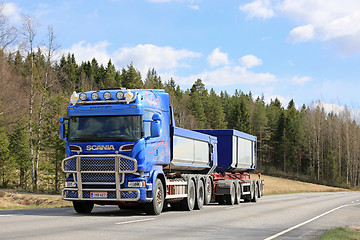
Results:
[83, 207]
[200, 195]
[188, 203]
[238, 193]
[208, 191]
[256, 194]
[156, 206]
[230, 199]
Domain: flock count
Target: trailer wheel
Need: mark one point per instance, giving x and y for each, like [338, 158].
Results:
[238, 193]
[188, 203]
[208, 191]
[83, 207]
[260, 190]
[200, 192]
[230, 199]
[256, 194]
[156, 206]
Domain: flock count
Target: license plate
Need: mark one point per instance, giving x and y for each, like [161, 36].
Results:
[98, 194]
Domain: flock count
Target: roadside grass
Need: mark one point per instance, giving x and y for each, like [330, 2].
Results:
[14, 200]
[10, 199]
[275, 185]
[350, 233]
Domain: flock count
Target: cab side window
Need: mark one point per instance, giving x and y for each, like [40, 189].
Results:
[147, 125]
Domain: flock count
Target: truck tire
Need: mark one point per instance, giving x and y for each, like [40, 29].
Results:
[261, 193]
[188, 203]
[208, 191]
[156, 206]
[230, 198]
[260, 190]
[256, 194]
[238, 193]
[83, 207]
[200, 194]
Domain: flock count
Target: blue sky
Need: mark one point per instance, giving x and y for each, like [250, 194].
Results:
[306, 50]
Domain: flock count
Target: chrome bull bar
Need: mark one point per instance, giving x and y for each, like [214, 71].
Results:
[100, 176]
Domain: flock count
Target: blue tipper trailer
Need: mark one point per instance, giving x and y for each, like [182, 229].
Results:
[123, 148]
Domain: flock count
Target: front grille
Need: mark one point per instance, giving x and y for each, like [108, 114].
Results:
[98, 177]
[97, 164]
[100, 173]
[94, 163]
[126, 165]
[128, 194]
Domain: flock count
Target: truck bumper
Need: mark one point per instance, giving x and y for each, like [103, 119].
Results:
[122, 195]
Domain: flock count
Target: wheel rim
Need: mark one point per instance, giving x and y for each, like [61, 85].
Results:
[192, 195]
[233, 194]
[201, 193]
[159, 195]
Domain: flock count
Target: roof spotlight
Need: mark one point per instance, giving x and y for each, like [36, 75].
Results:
[107, 95]
[83, 96]
[95, 96]
[119, 95]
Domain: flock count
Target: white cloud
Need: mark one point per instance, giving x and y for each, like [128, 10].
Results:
[300, 80]
[323, 20]
[302, 33]
[329, 107]
[159, 1]
[230, 75]
[195, 7]
[144, 57]
[258, 8]
[150, 56]
[86, 52]
[11, 11]
[250, 61]
[217, 58]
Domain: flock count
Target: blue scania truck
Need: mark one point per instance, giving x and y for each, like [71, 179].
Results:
[123, 148]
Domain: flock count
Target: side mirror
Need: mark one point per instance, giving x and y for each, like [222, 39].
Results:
[62, 131]
[62, 127]
[155, 125]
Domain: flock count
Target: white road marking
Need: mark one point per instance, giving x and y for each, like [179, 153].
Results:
[306, 222]
[135, 221]
[6, 215]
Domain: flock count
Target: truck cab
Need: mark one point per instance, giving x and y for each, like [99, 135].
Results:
[116, 146]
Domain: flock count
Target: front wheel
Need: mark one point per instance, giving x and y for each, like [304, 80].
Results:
[83, 207]
[156, 206]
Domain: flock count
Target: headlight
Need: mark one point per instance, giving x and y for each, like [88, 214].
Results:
[119, 95]
[83, 96]
[107, 95]
[95, 96]
[136, 184]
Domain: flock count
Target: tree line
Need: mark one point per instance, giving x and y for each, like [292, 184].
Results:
[308, 143]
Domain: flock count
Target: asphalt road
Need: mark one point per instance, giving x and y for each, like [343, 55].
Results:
[289, 216]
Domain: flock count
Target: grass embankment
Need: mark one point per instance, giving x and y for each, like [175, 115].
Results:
[275, 185]
[12, 200]
[349, 233]
[272, 185]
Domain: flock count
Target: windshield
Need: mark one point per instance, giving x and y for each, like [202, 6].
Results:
[105, 129]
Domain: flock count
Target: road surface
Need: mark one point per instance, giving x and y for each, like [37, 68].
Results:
[288, 216]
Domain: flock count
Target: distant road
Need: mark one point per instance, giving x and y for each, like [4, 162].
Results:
[289, 216]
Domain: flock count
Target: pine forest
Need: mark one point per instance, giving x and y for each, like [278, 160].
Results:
[305, 143]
